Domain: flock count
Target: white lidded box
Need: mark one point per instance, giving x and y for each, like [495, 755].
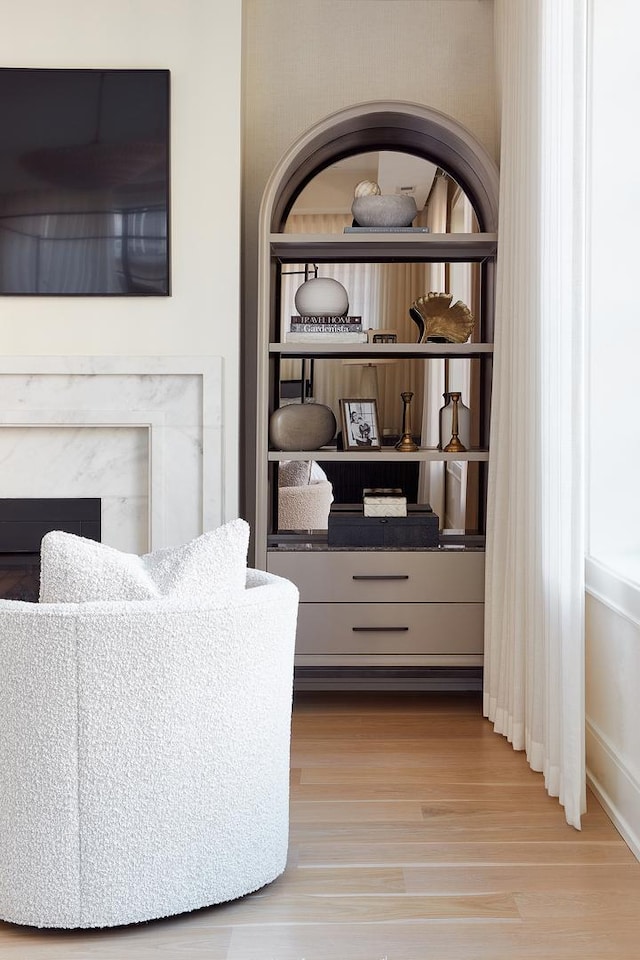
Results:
[384, 502]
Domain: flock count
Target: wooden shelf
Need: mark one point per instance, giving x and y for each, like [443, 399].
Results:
[372, 350]
[386, 454]
[383, 247]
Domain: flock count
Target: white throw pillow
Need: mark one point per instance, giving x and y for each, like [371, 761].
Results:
[76, 570]
[294, 473]
[299, 473]
[317, 474]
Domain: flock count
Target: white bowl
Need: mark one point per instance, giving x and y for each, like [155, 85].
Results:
[394, 210]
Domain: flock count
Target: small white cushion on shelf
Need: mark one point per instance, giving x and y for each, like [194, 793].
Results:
[77, 570]
[297, 473]
[317, 473]
[294, 473]
[305, 496]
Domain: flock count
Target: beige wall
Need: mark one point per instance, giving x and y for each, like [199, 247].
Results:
[200, 43]
[305, 59]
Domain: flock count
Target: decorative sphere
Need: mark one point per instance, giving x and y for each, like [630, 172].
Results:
[392, 210]
[321, 297]
[367, 188]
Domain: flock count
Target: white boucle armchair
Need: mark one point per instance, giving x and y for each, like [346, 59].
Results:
[144, 754]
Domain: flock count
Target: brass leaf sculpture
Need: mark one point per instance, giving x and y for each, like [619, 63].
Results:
[440, 322]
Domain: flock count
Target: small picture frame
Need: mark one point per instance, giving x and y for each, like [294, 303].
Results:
[360, 429]
[382, 335]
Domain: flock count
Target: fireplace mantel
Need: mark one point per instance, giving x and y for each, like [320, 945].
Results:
[142, 433]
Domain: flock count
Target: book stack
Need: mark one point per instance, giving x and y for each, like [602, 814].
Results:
[346, 329]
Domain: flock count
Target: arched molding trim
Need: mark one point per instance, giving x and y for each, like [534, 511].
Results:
[384, 125]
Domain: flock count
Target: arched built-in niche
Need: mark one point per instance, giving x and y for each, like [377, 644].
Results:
[373, 126]
[387, 125]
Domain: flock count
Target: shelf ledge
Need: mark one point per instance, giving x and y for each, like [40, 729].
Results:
[425, 351]
[383, 247]
[423, 453]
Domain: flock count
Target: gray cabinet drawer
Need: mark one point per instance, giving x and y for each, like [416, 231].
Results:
[382, 575]
[390, 628]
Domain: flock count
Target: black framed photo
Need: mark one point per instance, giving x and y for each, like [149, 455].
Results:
[360, 429]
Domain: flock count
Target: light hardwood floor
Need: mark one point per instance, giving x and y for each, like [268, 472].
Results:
[416, 834]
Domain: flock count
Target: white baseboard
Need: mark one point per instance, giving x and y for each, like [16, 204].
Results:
[615, 786]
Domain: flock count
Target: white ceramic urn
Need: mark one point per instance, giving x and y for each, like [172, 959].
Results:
[321, 297]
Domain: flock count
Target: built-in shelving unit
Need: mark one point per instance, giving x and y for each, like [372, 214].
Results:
[375, 609]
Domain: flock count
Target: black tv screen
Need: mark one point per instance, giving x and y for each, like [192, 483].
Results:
[84, 182]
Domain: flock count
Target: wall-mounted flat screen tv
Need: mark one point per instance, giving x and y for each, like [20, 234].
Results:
[84, 182]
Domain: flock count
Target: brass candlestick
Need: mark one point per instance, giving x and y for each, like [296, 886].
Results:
[406, 443]
[454, 445]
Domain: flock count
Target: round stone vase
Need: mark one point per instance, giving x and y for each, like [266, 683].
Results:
[301, 426]
[321, 297]
[389, 210]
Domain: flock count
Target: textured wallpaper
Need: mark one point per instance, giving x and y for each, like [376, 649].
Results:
[305, 59]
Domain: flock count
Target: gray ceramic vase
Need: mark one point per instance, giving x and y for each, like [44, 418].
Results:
[301, 426]
[389, 210]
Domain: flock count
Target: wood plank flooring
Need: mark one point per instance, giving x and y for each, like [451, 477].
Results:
[416, 834]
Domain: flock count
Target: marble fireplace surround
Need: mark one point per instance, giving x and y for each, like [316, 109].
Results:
[142, 433]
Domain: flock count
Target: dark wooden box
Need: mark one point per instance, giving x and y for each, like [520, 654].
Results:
[348, 527]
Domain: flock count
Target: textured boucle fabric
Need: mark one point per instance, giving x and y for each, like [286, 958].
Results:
[305, 508]
[144, 754]
[297, 473]
[77, 570]
[305, 496]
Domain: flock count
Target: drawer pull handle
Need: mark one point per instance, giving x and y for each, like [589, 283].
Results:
[380, 629]
[380, 576]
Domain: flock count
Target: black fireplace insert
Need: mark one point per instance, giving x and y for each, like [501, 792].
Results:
[23, 524]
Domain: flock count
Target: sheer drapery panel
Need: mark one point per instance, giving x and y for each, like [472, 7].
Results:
[534, 646]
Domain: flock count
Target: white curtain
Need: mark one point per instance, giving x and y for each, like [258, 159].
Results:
[534, 655]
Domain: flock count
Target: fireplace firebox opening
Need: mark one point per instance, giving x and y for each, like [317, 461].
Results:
[23, 524]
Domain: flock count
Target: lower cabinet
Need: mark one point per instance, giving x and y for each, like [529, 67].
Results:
[397, 608]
